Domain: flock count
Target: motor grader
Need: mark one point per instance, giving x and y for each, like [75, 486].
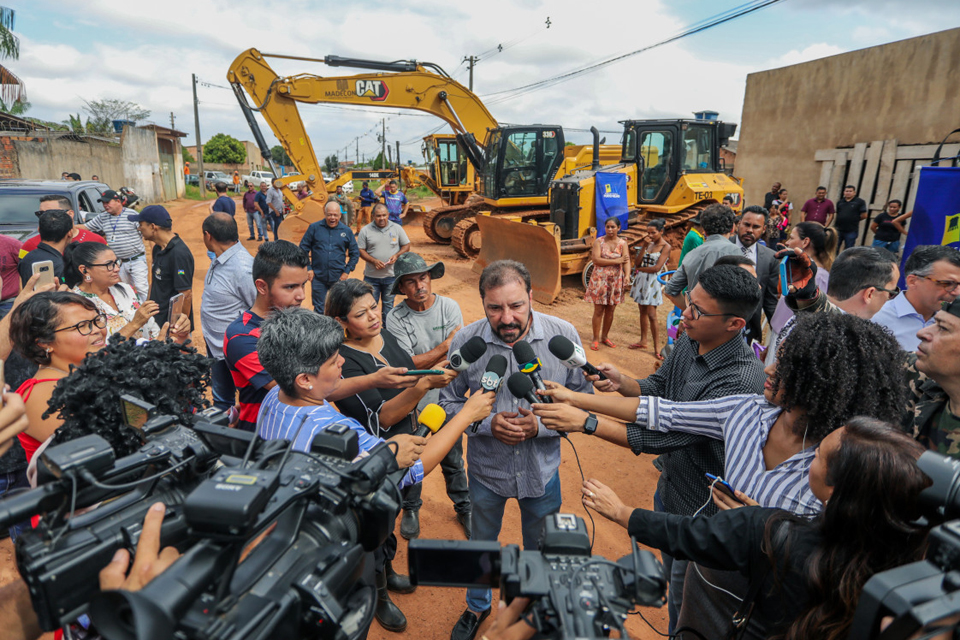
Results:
[674, 171]
[513, 167]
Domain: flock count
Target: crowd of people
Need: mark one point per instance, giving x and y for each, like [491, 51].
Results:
[804, 404]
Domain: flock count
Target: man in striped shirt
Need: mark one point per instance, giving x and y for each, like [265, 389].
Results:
[123, 236]
[280, 275]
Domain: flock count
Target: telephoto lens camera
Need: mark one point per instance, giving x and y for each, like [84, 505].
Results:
[574, 595]
[921, 597]
[302, 522]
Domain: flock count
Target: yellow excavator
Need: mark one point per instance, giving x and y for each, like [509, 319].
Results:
[513, 169]
[673, 170]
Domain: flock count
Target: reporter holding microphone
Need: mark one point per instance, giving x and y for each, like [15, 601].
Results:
[301, 350]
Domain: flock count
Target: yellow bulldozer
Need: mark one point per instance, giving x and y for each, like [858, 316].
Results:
[511, 171]
[673, 170]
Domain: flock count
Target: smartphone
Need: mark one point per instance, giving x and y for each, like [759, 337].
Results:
[454, 563]
[723, 486]
[45, 269]
[786, 276]
[176, 308]
[423, 372]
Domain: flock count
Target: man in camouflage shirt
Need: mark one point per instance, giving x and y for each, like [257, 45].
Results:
[934, 379]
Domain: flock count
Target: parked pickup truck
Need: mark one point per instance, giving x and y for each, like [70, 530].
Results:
[256, 177]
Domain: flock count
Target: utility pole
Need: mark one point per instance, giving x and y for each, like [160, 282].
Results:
[196, 120]
[471, 60]
[398, 156]
[388, 160]
[172, 125]
[357, 158]
[383, 141]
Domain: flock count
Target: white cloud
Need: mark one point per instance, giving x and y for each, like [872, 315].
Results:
[797, 56]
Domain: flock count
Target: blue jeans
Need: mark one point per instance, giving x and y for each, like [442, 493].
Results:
[675, 571]
[8, 482]
[273, 221]
[318, 293]
[5, 307]
[847, 239]
[488, 518]
[381, 289]
[254, 218]
[222, 385]
[892, 247]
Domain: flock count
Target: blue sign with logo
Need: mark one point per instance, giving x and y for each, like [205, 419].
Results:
[611, 200]
[936, 212]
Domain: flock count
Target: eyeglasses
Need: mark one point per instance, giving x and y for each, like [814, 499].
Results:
[949, 285]
[893, 293]
[113, 264]
[86, 327]
[697, 312]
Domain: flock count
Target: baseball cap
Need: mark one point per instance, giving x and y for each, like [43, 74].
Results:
[154, 214]
[109, 195]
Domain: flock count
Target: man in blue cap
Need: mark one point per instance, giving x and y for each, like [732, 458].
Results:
[172, 269]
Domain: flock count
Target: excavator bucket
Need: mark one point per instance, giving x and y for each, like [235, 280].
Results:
[535, 245]
[293, 227]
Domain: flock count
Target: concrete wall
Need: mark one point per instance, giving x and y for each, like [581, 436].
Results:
[47, 158]
[907, 90]
[141, 165]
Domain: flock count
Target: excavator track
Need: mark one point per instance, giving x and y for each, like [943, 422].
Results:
[439, 223]
[466, 234]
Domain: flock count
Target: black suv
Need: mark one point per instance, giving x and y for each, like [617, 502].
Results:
[20, 199]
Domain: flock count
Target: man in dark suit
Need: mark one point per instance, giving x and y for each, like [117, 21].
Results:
[750, 229]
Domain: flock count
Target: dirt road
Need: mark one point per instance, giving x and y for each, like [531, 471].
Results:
[432, 612]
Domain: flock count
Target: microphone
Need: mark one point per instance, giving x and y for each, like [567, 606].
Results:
[530, 366]
[430, 420]
[471, 351]
[491, 380]
[522, 387]
[571, 355]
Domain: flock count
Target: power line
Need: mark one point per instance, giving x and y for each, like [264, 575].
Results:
[703, 25]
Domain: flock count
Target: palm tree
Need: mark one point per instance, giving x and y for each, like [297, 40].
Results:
[13, 94]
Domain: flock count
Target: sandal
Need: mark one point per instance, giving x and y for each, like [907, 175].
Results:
[595, 346]
[658, 356]
[638, 345]
[607, 342]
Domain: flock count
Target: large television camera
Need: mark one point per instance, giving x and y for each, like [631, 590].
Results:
[575, 595]
[921, 599]
[302, 523]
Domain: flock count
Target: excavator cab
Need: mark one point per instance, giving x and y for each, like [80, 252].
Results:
[448, 166]
[520, 162]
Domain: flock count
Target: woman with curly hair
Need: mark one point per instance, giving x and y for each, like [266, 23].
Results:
[818, 383]
[56, 330]
[808, 573]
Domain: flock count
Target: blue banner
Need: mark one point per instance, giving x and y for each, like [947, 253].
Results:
[936, 212]
[611, 200]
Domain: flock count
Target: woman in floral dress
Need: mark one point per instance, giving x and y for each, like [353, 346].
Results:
[610, 257]
[651, 259]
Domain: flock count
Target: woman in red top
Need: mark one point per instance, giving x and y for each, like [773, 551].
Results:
[54, 329]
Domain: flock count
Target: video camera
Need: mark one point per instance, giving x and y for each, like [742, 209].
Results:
[574, 594]
[919, 595]
[317, 514]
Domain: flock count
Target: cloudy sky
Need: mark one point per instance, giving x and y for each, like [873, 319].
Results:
[146, 52]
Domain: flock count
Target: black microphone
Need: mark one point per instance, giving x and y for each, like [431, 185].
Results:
[572, 356]
[522, 387]
[530, 365]
[471, 351]
[491, 380]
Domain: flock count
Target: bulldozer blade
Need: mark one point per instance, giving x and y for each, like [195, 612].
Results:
[536, 246]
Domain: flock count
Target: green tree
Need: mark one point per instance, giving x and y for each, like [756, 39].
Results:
[331, 164]
[13, 93]
[102, 113]
[378, 162]
[280, 156]
[224, 149]
[186, 155]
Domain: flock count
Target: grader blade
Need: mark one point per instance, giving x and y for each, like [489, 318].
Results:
[535, 245]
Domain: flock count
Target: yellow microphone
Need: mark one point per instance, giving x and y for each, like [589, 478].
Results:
[430, 420]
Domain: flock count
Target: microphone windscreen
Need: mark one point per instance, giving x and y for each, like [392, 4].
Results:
[523, 352]
[498, 365]
[561, 347]
[520, 385]
[432, 417]
[473, 349]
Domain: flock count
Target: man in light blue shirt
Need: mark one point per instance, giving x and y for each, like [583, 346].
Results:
[932, 275]
[228, 289]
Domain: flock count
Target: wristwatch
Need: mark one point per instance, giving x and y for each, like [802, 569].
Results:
[590, 424]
